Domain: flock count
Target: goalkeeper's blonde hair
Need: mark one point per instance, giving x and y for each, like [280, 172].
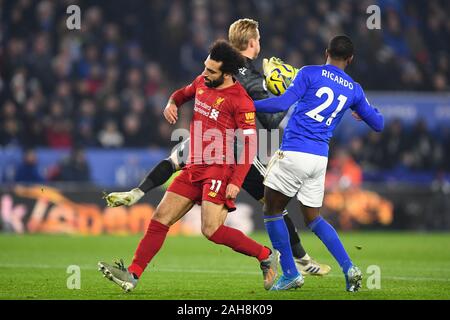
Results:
[241, 31]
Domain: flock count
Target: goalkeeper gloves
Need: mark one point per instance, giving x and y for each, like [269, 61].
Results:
[286, 71]
[270, 64]
[116, 199]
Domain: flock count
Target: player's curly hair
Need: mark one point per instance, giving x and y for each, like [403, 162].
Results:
[232, 60]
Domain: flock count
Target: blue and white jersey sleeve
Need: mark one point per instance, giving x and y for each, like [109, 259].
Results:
[293, 94]
[366, 112]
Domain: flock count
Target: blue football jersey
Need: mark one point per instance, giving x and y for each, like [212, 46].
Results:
[323, 93]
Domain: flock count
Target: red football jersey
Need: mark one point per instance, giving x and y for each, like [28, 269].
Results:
[218, 113]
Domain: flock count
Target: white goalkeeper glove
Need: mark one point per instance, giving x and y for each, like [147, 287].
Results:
[116, 199]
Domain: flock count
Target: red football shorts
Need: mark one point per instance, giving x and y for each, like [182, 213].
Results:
[204, 183]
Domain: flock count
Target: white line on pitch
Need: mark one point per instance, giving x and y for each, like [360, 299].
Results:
[90, 267]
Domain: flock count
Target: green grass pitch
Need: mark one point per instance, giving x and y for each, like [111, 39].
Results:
[412, 265]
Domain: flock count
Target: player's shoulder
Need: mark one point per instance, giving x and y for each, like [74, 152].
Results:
[247, 68]
[240, 96]
[358, 92]
[247, 76]
[311, 69]
[239, 90]
[244, 72]
[358, 88]
[308, 72]
[357, 85]
[199, 81]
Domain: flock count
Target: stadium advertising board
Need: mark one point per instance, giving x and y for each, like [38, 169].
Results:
[81, 210]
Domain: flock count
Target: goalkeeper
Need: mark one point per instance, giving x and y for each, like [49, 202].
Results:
[243, 35]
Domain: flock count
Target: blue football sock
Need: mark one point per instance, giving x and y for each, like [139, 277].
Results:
[330, 238]
[279, 236]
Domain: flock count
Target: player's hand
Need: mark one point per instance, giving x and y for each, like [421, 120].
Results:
[356, 116]
[116, 199]
[232, 191]
[171, 113]
[270, 64]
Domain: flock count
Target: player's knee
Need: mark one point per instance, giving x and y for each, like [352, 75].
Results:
[270, 209]
[161, 217]
[174, 162]
[178, 160]
[208, 230]
[310, 217]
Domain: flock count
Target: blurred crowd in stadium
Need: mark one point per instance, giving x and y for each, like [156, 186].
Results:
[107, 84]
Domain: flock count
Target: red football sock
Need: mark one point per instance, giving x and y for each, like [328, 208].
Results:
[148, 247]
[239, 242]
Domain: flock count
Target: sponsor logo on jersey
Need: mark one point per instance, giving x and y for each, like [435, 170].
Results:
[249, 117]
[206, 110]
[212, 194]
[200, 91]
[214, 114]
[218, 102]
[242, 71]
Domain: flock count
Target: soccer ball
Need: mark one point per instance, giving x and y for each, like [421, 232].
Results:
[279, 78]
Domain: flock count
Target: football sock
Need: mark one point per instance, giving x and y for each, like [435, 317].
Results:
[297, 249]
[157, 176]
[148, 247]
[278, 234]
[330, 238]
[239, 242]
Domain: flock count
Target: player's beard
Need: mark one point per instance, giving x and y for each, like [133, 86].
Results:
[215, 83]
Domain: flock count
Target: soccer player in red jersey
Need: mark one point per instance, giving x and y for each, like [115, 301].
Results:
[212, 177]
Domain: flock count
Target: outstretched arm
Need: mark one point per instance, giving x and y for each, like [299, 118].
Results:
[282, 103]
[276, 104]
[270, 121]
